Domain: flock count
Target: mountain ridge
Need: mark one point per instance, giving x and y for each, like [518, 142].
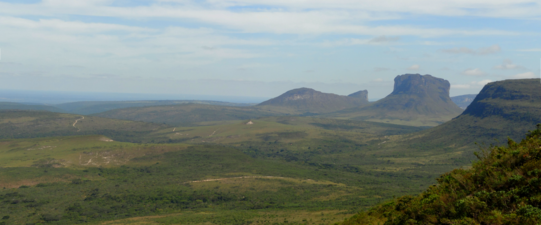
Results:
[307, 100]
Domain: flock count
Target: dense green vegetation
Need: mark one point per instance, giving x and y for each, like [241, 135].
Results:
[503, 187]
[161, 184]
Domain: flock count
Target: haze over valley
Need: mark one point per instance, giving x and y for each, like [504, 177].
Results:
[270, 112]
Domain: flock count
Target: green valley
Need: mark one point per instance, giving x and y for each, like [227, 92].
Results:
[216, 164]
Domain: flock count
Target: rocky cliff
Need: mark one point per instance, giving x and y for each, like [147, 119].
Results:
[420, 100]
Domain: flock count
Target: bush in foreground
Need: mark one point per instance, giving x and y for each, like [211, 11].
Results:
[503, 187]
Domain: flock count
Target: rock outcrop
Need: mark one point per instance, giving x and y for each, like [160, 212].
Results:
[421, 100]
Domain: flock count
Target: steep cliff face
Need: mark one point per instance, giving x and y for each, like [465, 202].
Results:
[502, 109]
[307, 100]
[518, 100]
[416, 84]
[426, 95]
[362, 95]
[421, 100]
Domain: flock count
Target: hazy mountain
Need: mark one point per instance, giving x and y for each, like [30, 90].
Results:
[22, 106]
[416, 100]
[463, 101]
[307, 100]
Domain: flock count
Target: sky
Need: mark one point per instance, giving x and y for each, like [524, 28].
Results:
[262, 48]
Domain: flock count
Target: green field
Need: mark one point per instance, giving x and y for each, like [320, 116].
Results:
[69, 169]
[277, 170]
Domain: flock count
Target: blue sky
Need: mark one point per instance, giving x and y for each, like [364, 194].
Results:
[262, 48]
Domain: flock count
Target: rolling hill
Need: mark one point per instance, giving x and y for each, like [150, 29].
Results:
[416, 100]
[21, 106]
[92, 107]
[306, 100]
[187, 114]
[34, 124]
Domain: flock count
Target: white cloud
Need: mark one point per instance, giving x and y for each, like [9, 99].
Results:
[507, 65]
[348, 19]
[461, 86]
[383, 39]
[472, 85]
[378, 80]
[497, 8]
[414, 67]
[524, 75]
[481, 51]
[483, 82]
[67, 26]
[356, 41]
[473, 72]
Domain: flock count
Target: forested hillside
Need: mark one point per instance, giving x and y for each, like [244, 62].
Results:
[503, 187]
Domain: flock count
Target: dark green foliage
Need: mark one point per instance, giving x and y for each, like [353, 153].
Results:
[503, 187]
[100, 194]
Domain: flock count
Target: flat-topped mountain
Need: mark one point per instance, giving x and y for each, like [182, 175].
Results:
[307, 100]
[463, 101]
[421, 100]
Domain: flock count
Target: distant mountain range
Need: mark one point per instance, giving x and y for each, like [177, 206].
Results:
[463, 101]
[419, 100]
[92, 107]
[307, 100]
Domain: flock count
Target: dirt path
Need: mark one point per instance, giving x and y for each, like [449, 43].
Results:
[77, 120]
[245, 177]
[213, 133]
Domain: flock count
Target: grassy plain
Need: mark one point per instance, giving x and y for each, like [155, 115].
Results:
[92, 107]
[188, 114]
[210, 179]
[278, 170]
[275, 170]
[15, 124]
